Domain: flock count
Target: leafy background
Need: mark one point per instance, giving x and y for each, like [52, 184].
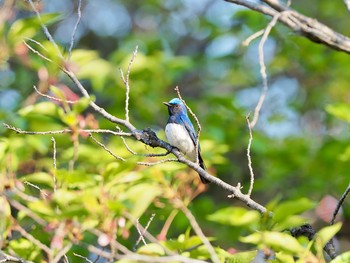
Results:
[300, 149]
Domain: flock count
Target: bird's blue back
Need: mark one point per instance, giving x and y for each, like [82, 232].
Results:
[181, 117]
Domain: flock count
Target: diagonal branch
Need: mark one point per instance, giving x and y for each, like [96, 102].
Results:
[299, 23]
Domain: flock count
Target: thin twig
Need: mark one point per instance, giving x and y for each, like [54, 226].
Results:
[249, 158]
[126, 82]
[252, 37]
[20, 131]
[340, 203]
[36, 52]
[54, 165]
[155, 154]
[37, 43]
[125, 143]
[80, 256]
[142, 233]
[263, 69]
[42, 193]
[54, 98]
[148, 235]
[106, 149]
[158, 162]
[74, 31]
[62, 253]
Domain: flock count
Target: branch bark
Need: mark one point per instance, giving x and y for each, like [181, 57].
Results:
[300, 24]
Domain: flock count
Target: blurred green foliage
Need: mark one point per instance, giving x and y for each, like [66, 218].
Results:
[300, 149]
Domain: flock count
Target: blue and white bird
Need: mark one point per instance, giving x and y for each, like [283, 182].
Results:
[180, 132]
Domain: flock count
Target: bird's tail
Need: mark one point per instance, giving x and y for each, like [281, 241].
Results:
[201, 164]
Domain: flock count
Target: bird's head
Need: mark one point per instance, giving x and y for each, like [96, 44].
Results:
[176, 106]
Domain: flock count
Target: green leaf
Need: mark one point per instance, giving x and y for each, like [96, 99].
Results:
[93, 67]
[326, 233]
[4, 145]
[339, 110]
[77, 179]
[29, 27]
[42, 109]
[81, 105]
[235, 216]
[241, 257]
[284, 257]
[26, 249]
[288, 208]
[39, 178]
[290, 221]
[42, 207]
[57, 92]
[276, 240]
[151, 250]
[141, 196]
[343, 258]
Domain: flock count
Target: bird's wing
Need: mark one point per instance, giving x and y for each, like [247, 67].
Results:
[189, 127]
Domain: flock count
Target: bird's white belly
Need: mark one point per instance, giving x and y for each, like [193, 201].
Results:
[178, 136]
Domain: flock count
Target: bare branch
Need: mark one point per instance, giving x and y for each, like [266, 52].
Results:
[199, 232]
[62, 253]
[37, 52]
[32, 239]
[252, 37]
[340, 203]
[308, 27]
[263, 69]
[53, 98]
[97, 108]
[20, 131]
[11, 259]
[27, 211]
[249, 158]
[142, 233]
[158, 162]
[80, 256]
[126, 82]
[125, 143]
[146, 234]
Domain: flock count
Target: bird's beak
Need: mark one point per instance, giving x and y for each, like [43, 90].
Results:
[167, 104]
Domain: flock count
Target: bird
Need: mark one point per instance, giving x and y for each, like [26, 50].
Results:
[180, 132]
